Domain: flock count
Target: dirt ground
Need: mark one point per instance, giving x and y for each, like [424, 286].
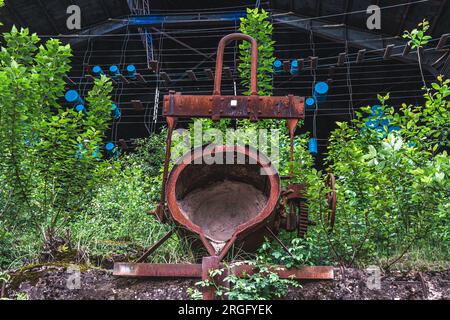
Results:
[56, 282]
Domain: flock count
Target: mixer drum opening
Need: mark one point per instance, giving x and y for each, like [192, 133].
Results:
[222, 198]
[219, 198]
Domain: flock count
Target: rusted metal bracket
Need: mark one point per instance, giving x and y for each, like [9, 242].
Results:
[235, 107]
[194, 270]
[155, 247]
[211, 263]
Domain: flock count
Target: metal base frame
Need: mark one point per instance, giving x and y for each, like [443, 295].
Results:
[202, 271]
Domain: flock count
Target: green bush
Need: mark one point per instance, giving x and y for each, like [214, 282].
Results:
[50, 156]
[263, 284]
[391, 191]
[116, 221]
[257, 25]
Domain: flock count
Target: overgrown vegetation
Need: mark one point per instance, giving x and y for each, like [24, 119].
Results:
[41, 141]
[61, 199]
[257, 25]
[59, 196]
[263, 284]
[116, 222]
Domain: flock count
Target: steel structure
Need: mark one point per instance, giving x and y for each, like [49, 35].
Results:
[142, 8]
[257, 171]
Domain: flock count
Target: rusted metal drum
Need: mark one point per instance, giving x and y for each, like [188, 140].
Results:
[224, 195]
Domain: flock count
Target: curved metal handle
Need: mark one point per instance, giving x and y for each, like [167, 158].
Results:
[219, 62]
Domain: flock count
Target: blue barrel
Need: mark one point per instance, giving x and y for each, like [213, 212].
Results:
[97, 71]
[114, 70]
[320, 91]
[294, 67]
[394, 129]
[377, 111]
[80, 108]
[116, 113]
[111, 149]
[384, 122]
[73, 97]
[312, 145]
[79, 151]
[310, 103]
[131, 71]
[372, 123]
[278, 67]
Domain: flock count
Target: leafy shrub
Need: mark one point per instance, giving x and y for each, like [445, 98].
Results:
[116, 221]
[44, 181]
[257, 25]
[263, 284]
[391, 191]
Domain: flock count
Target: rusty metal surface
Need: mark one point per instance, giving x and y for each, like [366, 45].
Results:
[251, 107]
[303, 220]
[296, 191]
[235, 107]
[155, 246]
[297, 216]
[242, 230]
[254, 61]
[163, 270]
[302, 273]
[196, 270]
[209, 264]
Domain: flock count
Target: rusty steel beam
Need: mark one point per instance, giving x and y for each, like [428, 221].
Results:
[302, 273]
[155, 247]
[158, 270]
[187, 270]
[209, 264]
[237, 107]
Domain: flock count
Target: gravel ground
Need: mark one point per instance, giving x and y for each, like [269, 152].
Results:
[54, 282]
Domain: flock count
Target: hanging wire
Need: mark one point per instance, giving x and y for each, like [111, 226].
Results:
[313, 73]
[275, 23]
[121, 91]
[351, 110]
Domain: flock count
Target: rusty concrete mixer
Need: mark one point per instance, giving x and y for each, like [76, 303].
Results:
[226, 205]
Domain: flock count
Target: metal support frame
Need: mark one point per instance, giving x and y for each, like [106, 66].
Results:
[341, 33]
[216, 106]
[192, 270]
[202, 271]
[139, 7]
[142, 8]
[146, 21]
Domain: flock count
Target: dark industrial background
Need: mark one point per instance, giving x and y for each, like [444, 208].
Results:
[164, 39]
